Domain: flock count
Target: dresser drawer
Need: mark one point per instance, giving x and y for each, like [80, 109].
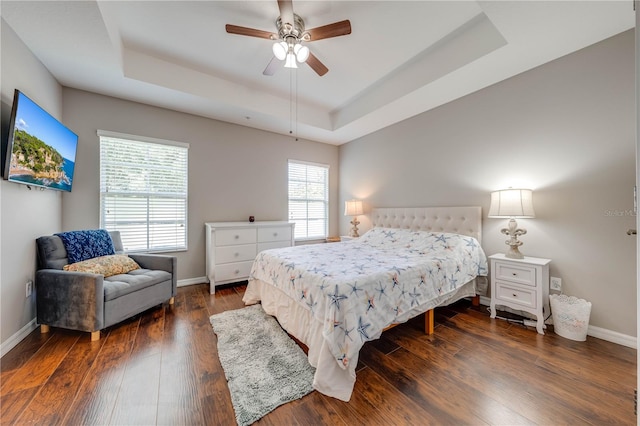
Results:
[280, 233]
[273, 245]
[521, 274]
[515, 295]
[230, 271]
[227, 237]
[228, 254]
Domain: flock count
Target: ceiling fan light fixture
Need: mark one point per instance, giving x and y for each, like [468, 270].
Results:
[290, 61]
[302, 52]
[280, 50]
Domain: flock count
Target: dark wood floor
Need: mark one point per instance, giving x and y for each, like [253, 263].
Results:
[161, 367]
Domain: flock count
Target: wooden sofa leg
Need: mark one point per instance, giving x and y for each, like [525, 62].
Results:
[172, 300]
[95, 335]
[44, 328]
[428, 322]
[475, 300]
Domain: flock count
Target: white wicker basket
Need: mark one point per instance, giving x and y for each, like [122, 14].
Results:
[570, 316]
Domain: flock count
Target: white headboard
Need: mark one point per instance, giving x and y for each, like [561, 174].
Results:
[459, 220]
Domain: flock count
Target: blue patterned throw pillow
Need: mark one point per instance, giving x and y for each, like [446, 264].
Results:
[83, 245]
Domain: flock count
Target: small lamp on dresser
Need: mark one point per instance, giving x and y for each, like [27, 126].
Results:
[353, 208]
[512, 203]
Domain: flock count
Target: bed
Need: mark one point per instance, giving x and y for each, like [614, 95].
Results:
[334, 297]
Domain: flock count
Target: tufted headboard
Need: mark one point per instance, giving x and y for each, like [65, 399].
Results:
[459, 220]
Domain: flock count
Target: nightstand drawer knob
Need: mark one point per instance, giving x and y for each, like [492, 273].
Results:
[514, 274]
[237, 236]
[515, 295]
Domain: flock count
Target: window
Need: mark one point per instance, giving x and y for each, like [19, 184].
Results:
[143, 191]
[309, 199]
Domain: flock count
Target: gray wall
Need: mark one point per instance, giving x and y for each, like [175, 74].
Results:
[234, 171]
[566, 130]
[24, 214]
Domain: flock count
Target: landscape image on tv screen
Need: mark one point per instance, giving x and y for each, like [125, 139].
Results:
[42, 149]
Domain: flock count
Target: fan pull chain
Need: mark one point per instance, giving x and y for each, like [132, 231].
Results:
[296, 107]
[291, 101]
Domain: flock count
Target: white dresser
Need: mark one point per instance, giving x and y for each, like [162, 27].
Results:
[521, 284]
[231, 247]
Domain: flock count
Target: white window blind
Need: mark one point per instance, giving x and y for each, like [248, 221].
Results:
[309, 199]
[143, 192]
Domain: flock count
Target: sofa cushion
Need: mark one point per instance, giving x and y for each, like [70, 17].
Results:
[105, 265]
[83, 245]
[118, 285]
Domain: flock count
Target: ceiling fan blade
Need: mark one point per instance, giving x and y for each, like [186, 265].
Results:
[272, 67]
[286, 11]
[316, 65]
[251, 32]
[331, 30]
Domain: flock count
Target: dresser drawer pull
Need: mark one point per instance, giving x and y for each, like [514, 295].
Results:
[237, 236]
[514, 274]
[515, 295]
[237, 271]
[237, 254]
[275, 234]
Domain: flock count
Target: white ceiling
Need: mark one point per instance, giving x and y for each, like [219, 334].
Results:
[402, 57]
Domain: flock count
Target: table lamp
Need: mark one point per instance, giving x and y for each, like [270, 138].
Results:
[512, 204]
[353, 208]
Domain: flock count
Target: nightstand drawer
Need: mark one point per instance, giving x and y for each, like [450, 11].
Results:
[521, 274]
[514, 294]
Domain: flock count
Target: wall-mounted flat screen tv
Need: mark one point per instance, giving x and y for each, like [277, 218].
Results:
[40, 150]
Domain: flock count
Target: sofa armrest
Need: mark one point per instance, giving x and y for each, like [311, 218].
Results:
[73, 300]
[162, 263]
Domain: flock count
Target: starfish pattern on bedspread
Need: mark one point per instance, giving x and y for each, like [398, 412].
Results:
[384, 277]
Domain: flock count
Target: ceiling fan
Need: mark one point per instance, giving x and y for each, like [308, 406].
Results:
[289, 40]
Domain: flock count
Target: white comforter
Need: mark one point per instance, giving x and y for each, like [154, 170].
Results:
[359, 287]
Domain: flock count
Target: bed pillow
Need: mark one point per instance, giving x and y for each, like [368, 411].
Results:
[83, 245]
[106, 265]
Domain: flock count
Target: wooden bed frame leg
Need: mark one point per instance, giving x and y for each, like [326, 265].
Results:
[475, 300]
[428, 322]
[44, 328]
[172, 300]
[95, 335]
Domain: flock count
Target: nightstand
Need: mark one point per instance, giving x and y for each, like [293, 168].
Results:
[521, 284]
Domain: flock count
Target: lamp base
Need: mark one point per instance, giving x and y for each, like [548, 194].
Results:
[353, 232]
[514, 253]
[513, 232]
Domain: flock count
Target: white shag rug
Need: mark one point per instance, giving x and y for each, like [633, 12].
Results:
[264, 367]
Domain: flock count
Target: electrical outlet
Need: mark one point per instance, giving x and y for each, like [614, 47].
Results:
[29, 288]
[556, 284]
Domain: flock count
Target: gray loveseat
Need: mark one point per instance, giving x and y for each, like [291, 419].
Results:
[90, 302]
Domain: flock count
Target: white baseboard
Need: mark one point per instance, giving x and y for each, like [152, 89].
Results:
[12, 341]
[597, 332]
[613, 336]
[192, 281]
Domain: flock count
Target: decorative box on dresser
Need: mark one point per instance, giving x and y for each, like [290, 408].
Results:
[521, 284]
[231, 247]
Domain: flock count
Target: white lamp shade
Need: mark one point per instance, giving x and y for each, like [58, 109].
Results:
[302, 52]
[280, 50]
[353, 208]
[512, 203]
